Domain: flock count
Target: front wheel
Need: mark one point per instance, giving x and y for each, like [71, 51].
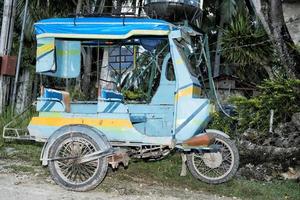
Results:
[215, 167]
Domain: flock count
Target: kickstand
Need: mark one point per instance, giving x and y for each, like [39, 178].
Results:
[183, 165]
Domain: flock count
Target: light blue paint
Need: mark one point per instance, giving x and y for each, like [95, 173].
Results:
[111, 107]
[45, 62]
[66, 61]
[49, 105]
[186, 106]
[166, 89]
[155, 120]
[84, 107]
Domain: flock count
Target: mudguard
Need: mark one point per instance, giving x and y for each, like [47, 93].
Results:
[217, 132]
[92, 132]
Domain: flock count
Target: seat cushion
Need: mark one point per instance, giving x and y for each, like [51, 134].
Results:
[62, 96]
[52, 94]
[111, 95]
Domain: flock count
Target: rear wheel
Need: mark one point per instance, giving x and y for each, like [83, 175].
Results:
[71, 174]
[215, 167]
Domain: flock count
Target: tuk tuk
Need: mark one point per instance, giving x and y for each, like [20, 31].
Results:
[83, 138]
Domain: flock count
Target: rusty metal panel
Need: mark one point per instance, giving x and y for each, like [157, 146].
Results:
[8, 65]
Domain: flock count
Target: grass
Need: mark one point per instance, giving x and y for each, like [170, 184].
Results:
[20, 168]
[26, 151]
[167, 172]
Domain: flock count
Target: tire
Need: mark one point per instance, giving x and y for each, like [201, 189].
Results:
[204, 166]
[75, 176]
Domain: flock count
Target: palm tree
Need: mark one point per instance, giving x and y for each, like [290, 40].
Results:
[247, 45]
[226, 9]
[41, 9]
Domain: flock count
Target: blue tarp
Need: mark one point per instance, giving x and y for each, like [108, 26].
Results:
[100, 27]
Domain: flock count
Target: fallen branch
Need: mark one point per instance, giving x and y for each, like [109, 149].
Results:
[255, 154]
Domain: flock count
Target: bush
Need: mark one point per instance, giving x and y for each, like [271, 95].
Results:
[223, 123]
[136, 95]
[281, 95]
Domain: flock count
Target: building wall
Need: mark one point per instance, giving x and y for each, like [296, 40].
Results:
[224, 95]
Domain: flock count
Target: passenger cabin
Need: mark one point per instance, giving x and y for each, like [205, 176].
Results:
[175, 108]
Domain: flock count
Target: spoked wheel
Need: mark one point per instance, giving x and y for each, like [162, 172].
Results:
[68, 171]
[216, 167]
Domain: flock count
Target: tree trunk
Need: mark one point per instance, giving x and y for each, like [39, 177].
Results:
[87, 69]
[24, 89]
[270, 14]
[79, 6]
[106, 75]
[218, 48]
[140, 9]
[100, 6]
[256, 154]
[269, 71]
[118, 8]
[108, 8]
[134, 7]
[7, 26]
[5, 46]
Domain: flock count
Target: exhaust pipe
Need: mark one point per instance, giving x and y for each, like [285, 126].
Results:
[203, 140]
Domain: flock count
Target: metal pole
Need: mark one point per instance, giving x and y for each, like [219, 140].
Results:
[19, 56]
[271, 120]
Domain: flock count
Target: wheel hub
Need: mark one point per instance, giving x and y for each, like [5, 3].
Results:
[212, 160]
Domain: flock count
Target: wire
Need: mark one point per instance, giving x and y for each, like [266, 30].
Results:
[243, 46]
[245, 36]
[206, 55]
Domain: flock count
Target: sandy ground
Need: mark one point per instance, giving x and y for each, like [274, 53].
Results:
[32, 186]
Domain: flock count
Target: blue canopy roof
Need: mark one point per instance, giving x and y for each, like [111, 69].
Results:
[100, 27]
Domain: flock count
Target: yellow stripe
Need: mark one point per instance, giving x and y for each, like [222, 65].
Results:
[44, 49]
[67, 52]
[197, 91]
[179, 61]
[50, 114]
[189, 91]
[98, 36]
[56, 121]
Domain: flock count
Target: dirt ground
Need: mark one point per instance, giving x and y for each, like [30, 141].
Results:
[34, 185]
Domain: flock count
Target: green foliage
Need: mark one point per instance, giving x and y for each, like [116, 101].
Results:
[5, 117]
[223, 123]
[137, 95]
[238, 43]
[41, 9]
[297, 47]
[23, 150]
[281, 95]
[77, 95]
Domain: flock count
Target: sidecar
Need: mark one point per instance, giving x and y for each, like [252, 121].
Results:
[82, 138]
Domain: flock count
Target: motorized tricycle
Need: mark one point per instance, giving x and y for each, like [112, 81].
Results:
[83, 138]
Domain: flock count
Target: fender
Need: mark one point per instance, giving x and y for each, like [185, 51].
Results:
[217, 132]
[92, 132]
